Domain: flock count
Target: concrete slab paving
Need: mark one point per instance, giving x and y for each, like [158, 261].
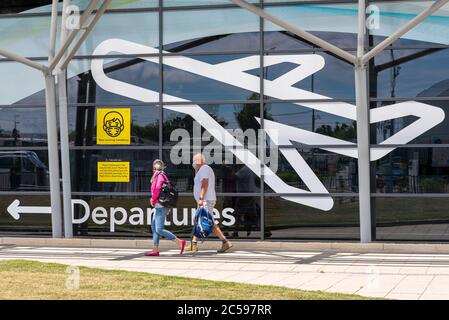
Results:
[298, 280]
[429, 296]
[273, 278]
[438, 286]
[402, 296]
[412, 284]
[390, 275]
[380, 285]
[324, 281]
[351, 284]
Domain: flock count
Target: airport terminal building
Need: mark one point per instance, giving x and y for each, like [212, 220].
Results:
[274, 114]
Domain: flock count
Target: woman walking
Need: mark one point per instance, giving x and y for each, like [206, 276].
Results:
[158, 220]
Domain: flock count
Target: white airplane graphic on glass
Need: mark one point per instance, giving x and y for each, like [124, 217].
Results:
[233, 73]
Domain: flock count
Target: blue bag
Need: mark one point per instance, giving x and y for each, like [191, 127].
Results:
[203, 224]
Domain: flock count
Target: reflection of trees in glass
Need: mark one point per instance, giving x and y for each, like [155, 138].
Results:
[247, 210]
[185, 122]
[149, 132]
[343, 131]
[246, 117]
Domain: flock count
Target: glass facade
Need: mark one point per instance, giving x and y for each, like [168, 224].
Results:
[193, 72]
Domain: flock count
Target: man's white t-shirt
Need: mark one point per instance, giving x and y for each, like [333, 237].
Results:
[205, 172]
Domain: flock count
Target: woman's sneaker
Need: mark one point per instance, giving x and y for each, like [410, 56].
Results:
[152, 254]
[225, 247]
[183, 244]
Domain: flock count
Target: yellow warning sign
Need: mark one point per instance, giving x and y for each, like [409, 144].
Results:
[113, 126]
[113, 171]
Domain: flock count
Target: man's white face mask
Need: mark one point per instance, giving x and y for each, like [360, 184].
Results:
[195, 166]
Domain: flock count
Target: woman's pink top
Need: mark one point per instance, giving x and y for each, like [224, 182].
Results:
[156, 185]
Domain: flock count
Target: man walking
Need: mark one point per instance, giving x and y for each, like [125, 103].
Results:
[204, 194]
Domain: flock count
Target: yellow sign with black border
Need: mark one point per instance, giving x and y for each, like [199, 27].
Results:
[113, 171]
[114, 126]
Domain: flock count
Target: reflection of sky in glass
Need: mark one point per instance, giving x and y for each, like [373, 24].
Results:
[302, 117]
[236, 42]
[29, 121]
[221, 112]
[193, 87]
[415, 77]
[177, 3]
[335, 80]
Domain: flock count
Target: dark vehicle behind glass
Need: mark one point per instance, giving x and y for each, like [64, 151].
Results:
[22, 171]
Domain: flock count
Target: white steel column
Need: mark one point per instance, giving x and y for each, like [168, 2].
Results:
[53, 157]
[52, 131]
[64, 135]
[363, 129]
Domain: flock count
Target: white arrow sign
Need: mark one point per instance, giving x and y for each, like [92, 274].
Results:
[15, 209]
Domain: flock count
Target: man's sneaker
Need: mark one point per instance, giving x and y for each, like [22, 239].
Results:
[192, 248]
[225, 247]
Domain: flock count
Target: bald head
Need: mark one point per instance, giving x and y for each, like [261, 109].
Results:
[198, 160]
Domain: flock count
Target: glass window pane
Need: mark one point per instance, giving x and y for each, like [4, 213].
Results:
[178, 3]
[22, 85]
[137, 27]
[42, 6]
[438, 132]
[419, 219]
[219, 30]
[392, 15]
[413, 170]
[24, 170]
[135, 4]
[28, 224]
[82, 87]
[288, 220]
[331, 78]
[235, 118]
[231, 176]
[25, 36]
[23, 127]
[336, 173]
[335, 23]
[394, 73]
[276, 2]
[84, 170]
[200, 81]
[307, 118]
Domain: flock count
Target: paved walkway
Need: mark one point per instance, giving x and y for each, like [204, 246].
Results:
[389, 275]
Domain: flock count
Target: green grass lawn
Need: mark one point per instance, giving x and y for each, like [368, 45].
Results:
[21, 279]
